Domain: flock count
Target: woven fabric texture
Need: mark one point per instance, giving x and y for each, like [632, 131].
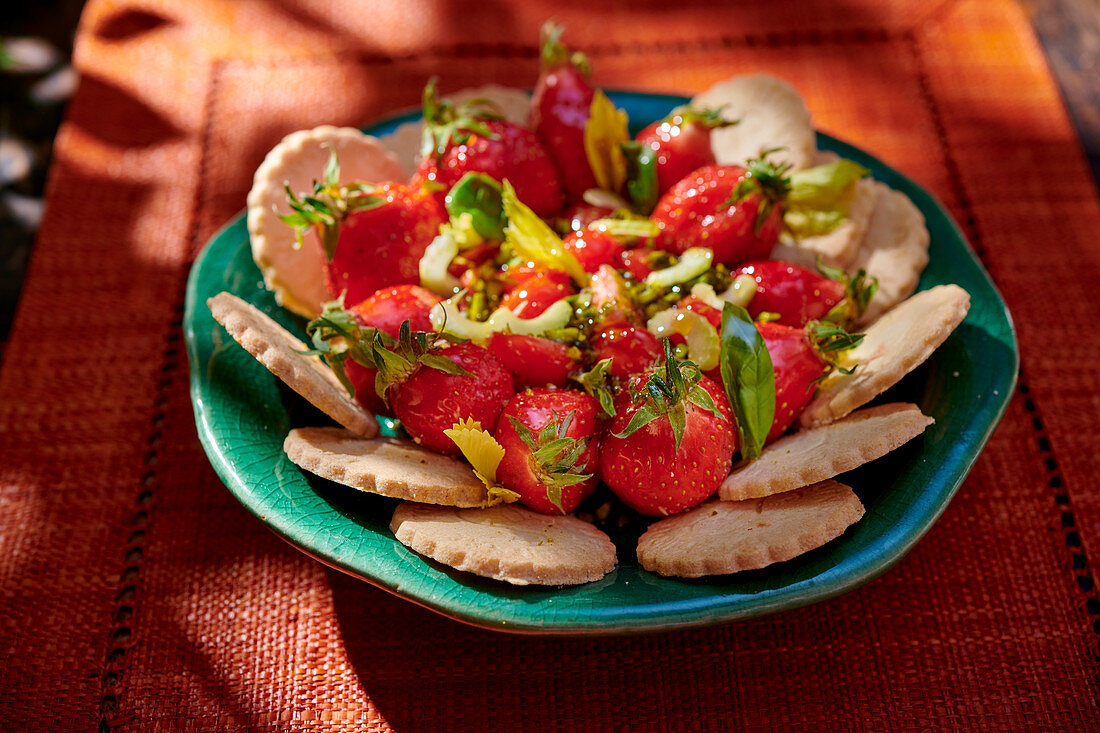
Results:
[138, 596]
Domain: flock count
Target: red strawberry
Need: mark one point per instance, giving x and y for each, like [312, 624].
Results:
[797, 369]
[533, 361]
[382, 245]
[799, 296]
[386, 310]
[580, 215]
[534, 295]
[733, 211]
[695, 305]
[593, 248]
[681, 142]
[631, 350]
[429, 401]
[473, 139]
[661, 456]
[636, 262]
[551, 440]
[516, 275]
[560, 108]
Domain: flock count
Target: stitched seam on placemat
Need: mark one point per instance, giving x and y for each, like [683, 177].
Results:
[122, 634]
[531, 51]
[1078, 561]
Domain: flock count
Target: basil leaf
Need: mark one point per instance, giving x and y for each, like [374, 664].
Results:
[749, 379]
[479, 196]
[641, 176]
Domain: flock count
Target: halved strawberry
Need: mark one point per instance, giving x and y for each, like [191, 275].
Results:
[551, 440]
[593, 247]
[373, 235]
[533, 361]
[632, 350]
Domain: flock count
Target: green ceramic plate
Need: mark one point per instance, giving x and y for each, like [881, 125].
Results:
[243, 416]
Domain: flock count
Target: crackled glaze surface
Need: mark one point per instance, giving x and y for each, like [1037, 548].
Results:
[242, 418]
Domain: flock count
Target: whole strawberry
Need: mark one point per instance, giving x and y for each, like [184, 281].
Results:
[560, 108]
[681, 143]
[550, 439]
[735, 212]
[472, 138]
[671, 441]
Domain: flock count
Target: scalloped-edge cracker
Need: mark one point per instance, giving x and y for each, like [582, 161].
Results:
[841, 246]
[894, 250]
[770, 114]
[893, 346]
[507, 542]
[813, 455]
[279, 351]
[722, 537]
[400, 469]
[296, 274]
[404, 142]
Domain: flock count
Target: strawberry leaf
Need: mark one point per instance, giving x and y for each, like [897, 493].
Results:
[748, 377]
[554, 456]
[595, 383]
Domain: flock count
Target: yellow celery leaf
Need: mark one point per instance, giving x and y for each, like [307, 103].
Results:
[605, 131]
[535, 241]
[484, 453]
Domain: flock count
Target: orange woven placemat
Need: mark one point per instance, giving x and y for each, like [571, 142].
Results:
[139, 596]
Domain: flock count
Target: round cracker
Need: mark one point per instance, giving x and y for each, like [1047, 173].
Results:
[721, 537]
[841, 246]
[404, 142]
[507, 542]
[387, 466]
[894, 250]
[893, 346]
[770, 114]
[279, 351]
[813, 455]
[296, 274]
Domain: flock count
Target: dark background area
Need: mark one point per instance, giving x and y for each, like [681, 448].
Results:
[1068, 29]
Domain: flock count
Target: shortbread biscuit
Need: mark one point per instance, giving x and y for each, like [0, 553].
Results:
[721, 537]
[296, 274]
[894, 250]
[507, 542]
[841, 246]
[279, 351]
[770, 114]
[813, 455]
[405, 141]
[388, 466]
[893, 346]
